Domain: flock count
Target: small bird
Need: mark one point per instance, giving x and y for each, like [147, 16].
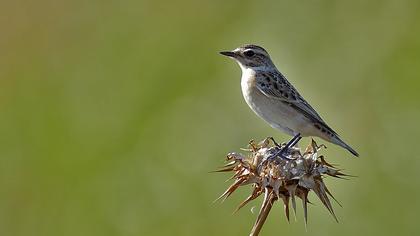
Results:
[268, 93]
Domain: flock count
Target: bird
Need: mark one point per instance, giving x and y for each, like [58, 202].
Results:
[273, 98]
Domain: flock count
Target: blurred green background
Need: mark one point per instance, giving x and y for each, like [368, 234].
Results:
[112, 113]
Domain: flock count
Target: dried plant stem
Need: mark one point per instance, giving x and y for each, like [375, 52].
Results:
[262, 216]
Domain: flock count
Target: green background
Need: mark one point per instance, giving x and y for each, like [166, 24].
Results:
[112, 113]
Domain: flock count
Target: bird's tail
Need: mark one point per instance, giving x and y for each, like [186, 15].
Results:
[338, 141]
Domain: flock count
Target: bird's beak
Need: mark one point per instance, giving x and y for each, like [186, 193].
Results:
[228, 53]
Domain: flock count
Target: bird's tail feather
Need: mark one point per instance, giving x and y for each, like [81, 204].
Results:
[341, 143]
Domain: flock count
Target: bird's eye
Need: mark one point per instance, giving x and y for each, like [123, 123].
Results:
[249, 53]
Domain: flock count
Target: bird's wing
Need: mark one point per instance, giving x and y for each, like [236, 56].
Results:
[275, 85]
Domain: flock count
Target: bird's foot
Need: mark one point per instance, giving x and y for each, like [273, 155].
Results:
[274, 141]
[282, 151]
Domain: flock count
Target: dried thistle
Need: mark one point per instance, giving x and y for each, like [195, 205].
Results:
[284, 177]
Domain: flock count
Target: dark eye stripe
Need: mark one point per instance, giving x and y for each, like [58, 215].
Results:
[249, 53]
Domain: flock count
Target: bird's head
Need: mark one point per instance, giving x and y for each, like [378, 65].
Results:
[250, 56]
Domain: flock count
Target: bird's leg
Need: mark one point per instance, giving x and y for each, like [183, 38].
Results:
[290, 144]
[274, 141]
[280, 151]
[293, 141]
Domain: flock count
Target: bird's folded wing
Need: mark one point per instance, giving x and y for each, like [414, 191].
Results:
[279, 88]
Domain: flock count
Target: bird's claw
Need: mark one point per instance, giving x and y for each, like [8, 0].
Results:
[281, 152]
[274, 141]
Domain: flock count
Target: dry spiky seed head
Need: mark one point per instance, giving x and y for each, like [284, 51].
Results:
[275, 177]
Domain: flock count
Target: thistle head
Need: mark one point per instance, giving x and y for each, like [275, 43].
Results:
[280, 179]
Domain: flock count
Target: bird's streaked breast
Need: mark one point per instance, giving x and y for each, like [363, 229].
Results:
[278, 114]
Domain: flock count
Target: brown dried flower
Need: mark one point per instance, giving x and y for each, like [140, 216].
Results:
[276, 177]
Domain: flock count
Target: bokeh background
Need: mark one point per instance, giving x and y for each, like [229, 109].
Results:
[112, 113]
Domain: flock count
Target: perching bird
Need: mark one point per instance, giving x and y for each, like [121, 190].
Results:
[275, 100]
